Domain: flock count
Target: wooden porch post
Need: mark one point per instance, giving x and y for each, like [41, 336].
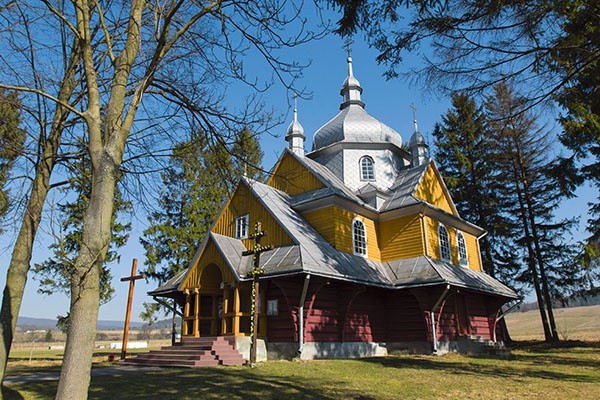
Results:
[236, 311]
[197, 312]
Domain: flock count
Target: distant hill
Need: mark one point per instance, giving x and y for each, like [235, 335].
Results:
[30, 324]
[577, 301]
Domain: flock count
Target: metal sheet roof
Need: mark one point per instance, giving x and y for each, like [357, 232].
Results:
[311, 253]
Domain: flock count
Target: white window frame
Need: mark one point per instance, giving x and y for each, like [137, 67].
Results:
[444, 242]
[461, 245]
[360, 245]
[272, 307]
[241, 226]
[367, 171]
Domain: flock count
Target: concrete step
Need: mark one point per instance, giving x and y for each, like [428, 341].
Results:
[193, 352]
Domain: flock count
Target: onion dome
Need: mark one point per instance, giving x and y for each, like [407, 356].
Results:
[353, 124]
[295, 135]
[418, 146]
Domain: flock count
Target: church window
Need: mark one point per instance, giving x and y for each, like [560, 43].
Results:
[359, 238]
[367, 172]
[272, 307]
[444, 242]
[462, 249]
[241, 227]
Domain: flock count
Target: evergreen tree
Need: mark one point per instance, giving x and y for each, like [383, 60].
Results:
[579, 46]
[199, 179]
[55, 273]
[465, 154]
[531, 197]
[12, 139]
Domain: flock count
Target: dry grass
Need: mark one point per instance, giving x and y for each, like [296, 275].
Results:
[577, 323]
[535, 372]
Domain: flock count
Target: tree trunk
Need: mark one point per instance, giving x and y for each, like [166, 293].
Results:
[544, 279]
[16, 276]
[107, 137]
[85, 285]
[531, 259]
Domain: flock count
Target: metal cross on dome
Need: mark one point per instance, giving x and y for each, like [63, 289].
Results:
[348, 42]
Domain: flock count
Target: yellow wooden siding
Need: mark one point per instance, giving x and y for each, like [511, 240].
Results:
[474, 260]
[292, 177]
[322, 221]
[244, 202]
[432, 191]
[210, 255]
[335, 225]
[401, 238]
[433, 247]
[473, 252]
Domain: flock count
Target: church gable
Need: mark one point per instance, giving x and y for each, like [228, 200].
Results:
[432, 189]
[209, 255]
[240, 214]
[293, 178]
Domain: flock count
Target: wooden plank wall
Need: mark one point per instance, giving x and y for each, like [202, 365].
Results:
[243, 202]
[432, 191]
[335, 225]
[292, 177]
[401, 238]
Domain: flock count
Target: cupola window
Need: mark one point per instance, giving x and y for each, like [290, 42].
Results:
[367, 172]
[359, 238]
[444, 242]
[462, 249]
[241, 227]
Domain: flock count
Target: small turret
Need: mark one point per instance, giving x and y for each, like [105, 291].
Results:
[417, 145]
[351, 89]
[295, 135]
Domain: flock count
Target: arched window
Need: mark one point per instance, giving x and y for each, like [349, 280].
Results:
[462, 249]
[444, 243]
[367, 173]
[359, 238]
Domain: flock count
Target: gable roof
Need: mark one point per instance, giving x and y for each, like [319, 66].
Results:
[312, 254]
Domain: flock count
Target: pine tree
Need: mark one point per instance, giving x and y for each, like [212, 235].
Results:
[531, 196]
[55, 273]
[466, 159]
[579, 46]
[199, 179]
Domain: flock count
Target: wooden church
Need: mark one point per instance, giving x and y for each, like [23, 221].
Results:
[369, 254]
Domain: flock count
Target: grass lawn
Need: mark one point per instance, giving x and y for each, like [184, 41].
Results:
[571, 371]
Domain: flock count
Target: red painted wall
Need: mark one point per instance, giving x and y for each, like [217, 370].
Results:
[343, 312]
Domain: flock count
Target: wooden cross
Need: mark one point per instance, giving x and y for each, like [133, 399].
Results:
[255, 273]
[132, 278]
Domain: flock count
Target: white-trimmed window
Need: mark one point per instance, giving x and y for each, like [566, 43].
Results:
[241, 227]
[444, 242]
[272, 307]
[367, 172]
[462, 249]
[359, 238]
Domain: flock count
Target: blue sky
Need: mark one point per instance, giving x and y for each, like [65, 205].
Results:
[388, 101]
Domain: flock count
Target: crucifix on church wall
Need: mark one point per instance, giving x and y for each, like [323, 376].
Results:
[256, 272]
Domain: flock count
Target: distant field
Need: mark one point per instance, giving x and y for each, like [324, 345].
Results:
[577, 323]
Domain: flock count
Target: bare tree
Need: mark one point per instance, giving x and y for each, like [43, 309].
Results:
[179, 57]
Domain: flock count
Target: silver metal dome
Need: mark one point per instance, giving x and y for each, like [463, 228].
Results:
[295, 129]
[353, 124]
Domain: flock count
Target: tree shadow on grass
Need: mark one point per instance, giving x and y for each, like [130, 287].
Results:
[471, 366]
[10, 394]
[210, 383]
